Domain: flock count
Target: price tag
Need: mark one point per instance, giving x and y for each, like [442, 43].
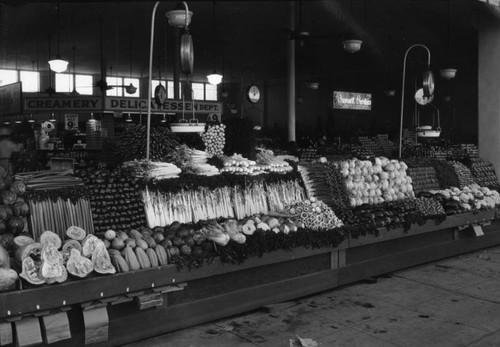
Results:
[478, 230]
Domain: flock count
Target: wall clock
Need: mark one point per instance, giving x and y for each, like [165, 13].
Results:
[253, 94]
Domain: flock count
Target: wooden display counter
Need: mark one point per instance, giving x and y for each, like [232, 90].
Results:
[113, 310]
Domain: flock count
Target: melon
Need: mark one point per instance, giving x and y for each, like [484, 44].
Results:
[78, 265]
[8, 278]
[8, 197]
[31, 271]
[18, 187]
[89, 245]
[76, 233]
[101, 260]
[49, 237]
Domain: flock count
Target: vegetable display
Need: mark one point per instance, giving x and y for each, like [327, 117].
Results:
[115, 199]
[313, 214]
[473, 197]
[131, 143]
[464, 175]
[423, 178]
[484, 173]
[214, 139]
[373, 183]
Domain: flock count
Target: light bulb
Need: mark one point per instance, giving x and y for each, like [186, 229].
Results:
[214, 79]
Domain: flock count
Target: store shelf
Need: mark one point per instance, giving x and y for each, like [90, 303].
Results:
[213, 291]
[430, 226]
[101, 287]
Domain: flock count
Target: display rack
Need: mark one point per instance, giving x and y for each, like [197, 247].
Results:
[126, 304]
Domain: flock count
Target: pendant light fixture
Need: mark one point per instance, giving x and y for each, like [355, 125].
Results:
[30, 119]
[352, 45]
[52, 117]
[58, 65]
[6, 121]
[128, 119]
[18, 120]
[164, 119]
[214, 78]
[74, 92]
[448, 72]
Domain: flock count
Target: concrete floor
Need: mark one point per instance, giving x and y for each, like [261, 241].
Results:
[453, 302]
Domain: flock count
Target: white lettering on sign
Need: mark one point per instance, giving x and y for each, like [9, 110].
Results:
[352, 101]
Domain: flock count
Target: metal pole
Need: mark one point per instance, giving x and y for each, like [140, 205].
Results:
[291, 73]
[148, 127]
[403, 90]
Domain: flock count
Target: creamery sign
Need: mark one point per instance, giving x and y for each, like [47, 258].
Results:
[96, 104]
[352, 101]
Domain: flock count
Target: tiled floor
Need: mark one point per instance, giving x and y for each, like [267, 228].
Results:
[453, 302]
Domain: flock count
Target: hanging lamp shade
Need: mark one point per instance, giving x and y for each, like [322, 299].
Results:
[30, 119]
[352, 46]
[164, 119]
[448, 74]
[6, 121]
[58, 65]
[214, 78]
[52, 118]
[129, 118]
[18, 120]
[180, 16]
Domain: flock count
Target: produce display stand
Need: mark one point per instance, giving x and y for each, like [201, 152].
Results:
[114, 310]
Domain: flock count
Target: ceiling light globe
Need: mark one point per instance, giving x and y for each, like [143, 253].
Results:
[58, 65]
[214, 79]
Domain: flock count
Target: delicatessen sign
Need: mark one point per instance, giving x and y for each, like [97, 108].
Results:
[94, 104]
[352, 101]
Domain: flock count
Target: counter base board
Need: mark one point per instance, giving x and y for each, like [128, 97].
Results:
[271, 279]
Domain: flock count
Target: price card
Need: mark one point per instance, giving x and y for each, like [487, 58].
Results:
[478, 230]
[71, 122]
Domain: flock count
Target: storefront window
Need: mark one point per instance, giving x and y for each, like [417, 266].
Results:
[114, 81]
[8, 77]
[135, 83]
[210, 92]
[64, 83]
[31, 81]
[198, 91]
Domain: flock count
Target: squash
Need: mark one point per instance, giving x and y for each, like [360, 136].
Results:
[89, 245]
[22, 240]
[153, 257]
[51, 271]
[76, 233]
[18, 187]
[5, 212]
[4, 259]
[149, 240]
[33, 250]
[119, 262]
[142, 258]
[31, 271]
[68, 245]
[8, 197]
[51, 255]
[101, 260]
[131, 259]
[64, 275]
[79, 265]
[49, 237]
[162, 255]
[15, 224]
[141, 244]
[8, 278]
[20, 208]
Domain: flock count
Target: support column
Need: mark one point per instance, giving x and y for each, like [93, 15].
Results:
[291, 73]
[176, 63]
[489, 89]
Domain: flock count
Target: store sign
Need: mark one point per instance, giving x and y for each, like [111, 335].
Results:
[137, 105]
[71, 122]
[117, 105]
[10, 99]
[352, 101]
[58, 103]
